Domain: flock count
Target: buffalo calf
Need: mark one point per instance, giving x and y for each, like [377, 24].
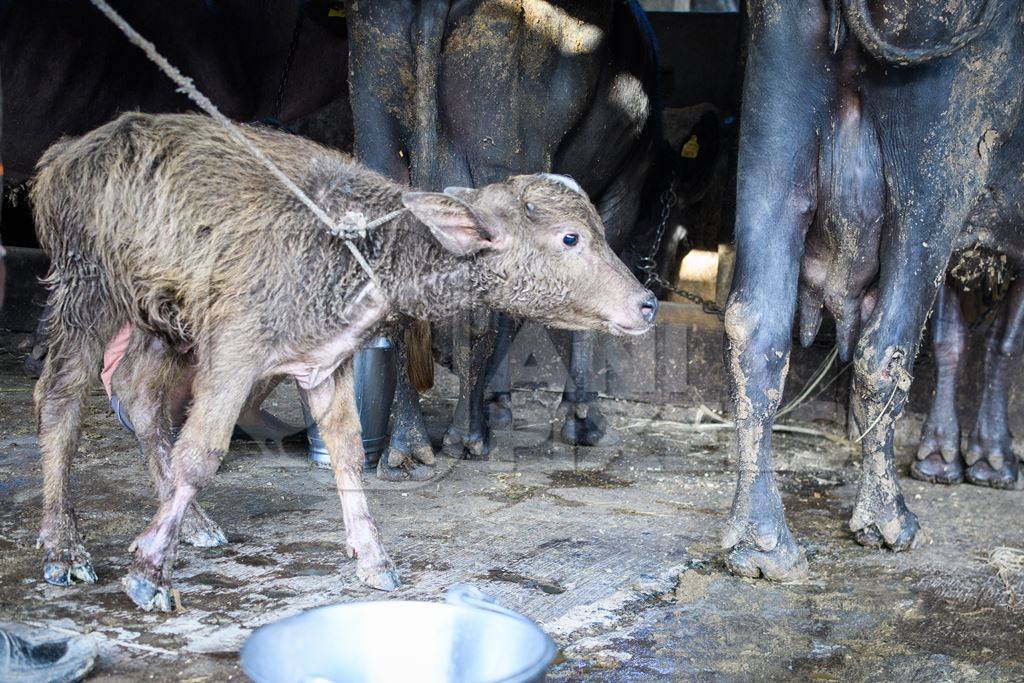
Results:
[166, 224]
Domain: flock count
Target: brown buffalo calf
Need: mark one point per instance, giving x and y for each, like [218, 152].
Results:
[166, 224]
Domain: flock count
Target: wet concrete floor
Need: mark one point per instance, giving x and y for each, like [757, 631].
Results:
[613, 550]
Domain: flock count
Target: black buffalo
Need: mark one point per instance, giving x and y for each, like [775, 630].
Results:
[895, 124]
[467, 92]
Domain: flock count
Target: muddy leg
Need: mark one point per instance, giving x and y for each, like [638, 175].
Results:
[469, 436]
[60, 397]
[333, 406]
[220, 389]
[150, 382]
[882, 376]
[409, 453]
[757, 352]
[582, 421]
[938, 457]
[989, 452]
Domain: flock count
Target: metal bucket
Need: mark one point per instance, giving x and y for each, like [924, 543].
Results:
[374, 369]
[467, 639]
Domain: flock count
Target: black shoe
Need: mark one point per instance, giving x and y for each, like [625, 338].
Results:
[54, 661]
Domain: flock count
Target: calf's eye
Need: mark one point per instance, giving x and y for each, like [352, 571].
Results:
[570, 239]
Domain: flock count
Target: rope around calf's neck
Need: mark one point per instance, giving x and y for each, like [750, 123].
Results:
[350, 225]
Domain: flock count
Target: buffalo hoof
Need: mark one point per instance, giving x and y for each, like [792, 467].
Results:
[584, 425]
[934, 469]
[198, 530]
[408, 470]
[402, 451]
[146, 594]
[984, 473]
[475, 445]
[499, 411]
[264, 427]
[760, 542]
[68, 567]
[35, 359]
[895, 528]
[784, 562]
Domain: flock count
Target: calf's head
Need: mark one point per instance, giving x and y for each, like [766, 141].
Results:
[538, 251]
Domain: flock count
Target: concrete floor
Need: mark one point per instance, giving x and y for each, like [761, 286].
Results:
[613, 550]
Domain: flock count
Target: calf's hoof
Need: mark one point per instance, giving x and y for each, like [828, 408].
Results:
[68, 567]
[934, 469]
[147, 594]
[198, 530]
[895, 528]
[499, 411]
[382, 578]
[584, 425]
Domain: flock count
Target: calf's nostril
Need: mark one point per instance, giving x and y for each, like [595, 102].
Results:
[649, 309]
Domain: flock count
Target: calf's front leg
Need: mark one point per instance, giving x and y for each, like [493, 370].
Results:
[333, 406]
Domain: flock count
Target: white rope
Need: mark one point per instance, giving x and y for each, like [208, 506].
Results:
[350, 225]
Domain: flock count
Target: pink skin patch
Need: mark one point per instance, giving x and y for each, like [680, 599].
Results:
[113, 354]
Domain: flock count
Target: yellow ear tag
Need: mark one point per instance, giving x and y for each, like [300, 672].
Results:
[691, 148]
[336, 12]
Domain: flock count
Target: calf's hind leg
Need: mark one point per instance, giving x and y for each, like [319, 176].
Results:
[60, 397]
[938, 457]
[333, 406]
[989, 452]
[220, 390]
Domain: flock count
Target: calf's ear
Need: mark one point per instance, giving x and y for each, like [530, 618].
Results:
[456, 225]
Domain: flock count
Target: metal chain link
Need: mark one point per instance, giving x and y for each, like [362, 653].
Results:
[288, 64]
[648, 264]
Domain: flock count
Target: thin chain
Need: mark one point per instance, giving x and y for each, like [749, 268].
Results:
[648, 264]
[288, 63]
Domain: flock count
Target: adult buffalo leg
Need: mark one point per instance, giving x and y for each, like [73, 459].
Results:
[409, 453]
[776, 190]
[581, 418]
[498, 409]
[147, 382]
[989, 453]
[938, 457]
[469, 436]
[220, 389]
[333, 406]
[911, 271]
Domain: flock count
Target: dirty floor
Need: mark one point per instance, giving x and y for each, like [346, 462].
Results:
[613, 550]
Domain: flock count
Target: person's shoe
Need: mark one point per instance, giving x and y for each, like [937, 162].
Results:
[53, 661]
